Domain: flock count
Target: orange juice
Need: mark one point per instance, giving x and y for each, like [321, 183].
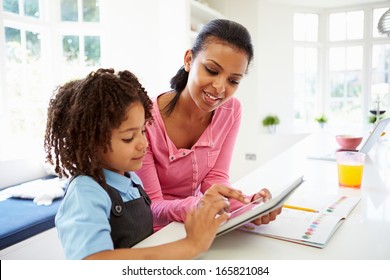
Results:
[350, 176]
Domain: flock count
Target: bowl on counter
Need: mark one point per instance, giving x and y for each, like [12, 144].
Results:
[348, 142]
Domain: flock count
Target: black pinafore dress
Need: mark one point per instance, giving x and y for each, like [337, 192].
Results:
[132, 221]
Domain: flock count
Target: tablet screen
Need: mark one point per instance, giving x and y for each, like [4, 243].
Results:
[257, 208]
[245, 208]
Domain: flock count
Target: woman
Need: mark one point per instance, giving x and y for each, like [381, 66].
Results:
[196, 124]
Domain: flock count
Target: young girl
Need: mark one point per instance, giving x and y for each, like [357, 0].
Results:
[96, 134]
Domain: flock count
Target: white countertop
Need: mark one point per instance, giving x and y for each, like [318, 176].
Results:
[365, 234]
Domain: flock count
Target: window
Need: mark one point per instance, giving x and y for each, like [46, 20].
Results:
[380, 85]
[22, 100]
[81, 49]
[380, 66]
[345, 83]
[306, 66]
[333, 76]
[80, 10]
[306, 27]
[306, 82]
[346, 26]
[36, 57]
[28, 8]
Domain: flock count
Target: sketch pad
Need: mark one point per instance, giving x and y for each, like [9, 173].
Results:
[253, 210]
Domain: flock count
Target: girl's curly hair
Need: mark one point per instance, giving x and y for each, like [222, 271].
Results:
[81, 116]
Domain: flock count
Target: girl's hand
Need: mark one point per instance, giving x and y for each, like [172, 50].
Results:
[201, 224]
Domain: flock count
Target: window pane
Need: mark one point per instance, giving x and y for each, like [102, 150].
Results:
[337, 84]
[33, 46]
[69, 10]
[25, 107]
[91, 10]
[71, 48]
[377, 13]
[13, 45]
[11, 6]
[311, 60]
[346, 82]
[354, 84]
[337, 59]
[312, 27]
[92, 50]
[306, 27]
[380, 88]
[299, 27]
[355, 25]
[348, 112]
[31, 8]
[299, 60]
[305, 83]
[344, 26]
[337, 27]
[354, 58]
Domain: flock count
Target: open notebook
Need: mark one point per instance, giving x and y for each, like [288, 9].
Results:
[309, 220]
[367, 145]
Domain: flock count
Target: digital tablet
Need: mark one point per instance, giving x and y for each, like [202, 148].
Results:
[256, 209]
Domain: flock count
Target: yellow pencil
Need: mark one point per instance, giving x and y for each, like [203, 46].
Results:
[299, 208]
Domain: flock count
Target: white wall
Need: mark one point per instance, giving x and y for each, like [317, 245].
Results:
[275, 60]
[148, 38]
[129, 35]
[268, 87]
[270, 79]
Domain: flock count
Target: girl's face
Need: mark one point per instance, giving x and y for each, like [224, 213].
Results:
[214, 74]
[128, 142]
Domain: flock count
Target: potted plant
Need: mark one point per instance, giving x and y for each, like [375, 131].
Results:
[372, 119]
[321, 120]
[270, 122]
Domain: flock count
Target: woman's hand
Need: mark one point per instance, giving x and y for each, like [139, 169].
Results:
[219, 192]
[266, 195]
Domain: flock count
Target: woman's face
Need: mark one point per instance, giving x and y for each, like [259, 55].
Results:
[128, 142]
[214, 74]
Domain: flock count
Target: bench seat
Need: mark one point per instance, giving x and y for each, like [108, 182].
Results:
[22, 218]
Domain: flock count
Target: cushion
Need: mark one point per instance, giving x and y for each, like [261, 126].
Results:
[22, 218]
[42, 191]
[29, 209]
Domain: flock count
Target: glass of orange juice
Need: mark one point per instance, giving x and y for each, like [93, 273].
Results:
[350, 168]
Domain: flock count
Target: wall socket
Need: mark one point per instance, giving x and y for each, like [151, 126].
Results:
[250, 156]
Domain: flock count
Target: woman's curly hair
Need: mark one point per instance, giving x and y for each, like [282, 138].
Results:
[81, 116]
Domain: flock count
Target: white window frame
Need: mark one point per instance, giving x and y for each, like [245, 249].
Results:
[50, 26]
[324, 45]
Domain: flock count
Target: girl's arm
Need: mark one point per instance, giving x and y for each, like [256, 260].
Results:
[201, 226]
